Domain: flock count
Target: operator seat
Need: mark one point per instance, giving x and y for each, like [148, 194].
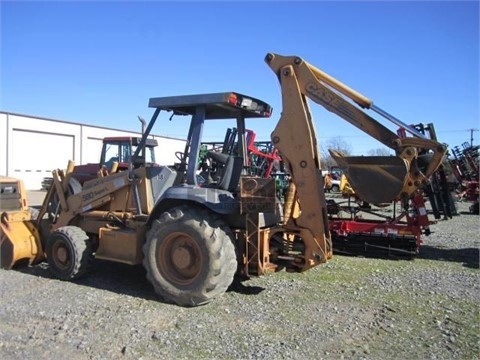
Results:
[233, 166]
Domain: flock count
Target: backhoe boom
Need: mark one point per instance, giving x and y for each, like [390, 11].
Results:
[377, 179]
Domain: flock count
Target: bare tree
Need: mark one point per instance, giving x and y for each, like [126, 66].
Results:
[380, 152]
[335, 143]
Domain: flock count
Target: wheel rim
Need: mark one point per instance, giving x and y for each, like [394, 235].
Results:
[61, 255]
[179, 258]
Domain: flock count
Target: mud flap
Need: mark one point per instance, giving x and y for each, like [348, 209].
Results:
[375, 179]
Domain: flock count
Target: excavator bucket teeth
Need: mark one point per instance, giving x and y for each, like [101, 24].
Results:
[375, 179]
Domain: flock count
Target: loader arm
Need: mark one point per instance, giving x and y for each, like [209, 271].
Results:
[379, 179]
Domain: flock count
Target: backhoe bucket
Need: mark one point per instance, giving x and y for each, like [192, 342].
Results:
[375, 179]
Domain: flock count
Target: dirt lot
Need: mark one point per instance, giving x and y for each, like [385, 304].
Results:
[351, 307]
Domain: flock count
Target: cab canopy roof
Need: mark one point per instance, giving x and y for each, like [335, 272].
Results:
[225, 105]
[133, 140]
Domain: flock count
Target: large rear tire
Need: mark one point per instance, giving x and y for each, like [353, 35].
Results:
[69, 252]
[189, 256]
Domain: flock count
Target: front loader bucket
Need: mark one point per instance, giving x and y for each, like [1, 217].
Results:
[19, 240]
[374, 179]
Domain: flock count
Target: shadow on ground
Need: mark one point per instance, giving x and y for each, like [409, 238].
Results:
[238, 286]
[105, 275]
[469, 257]
[123, 279]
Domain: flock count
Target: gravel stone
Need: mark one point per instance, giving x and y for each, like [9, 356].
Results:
[348, 308]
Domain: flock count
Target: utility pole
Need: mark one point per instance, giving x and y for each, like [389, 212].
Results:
[471, 136]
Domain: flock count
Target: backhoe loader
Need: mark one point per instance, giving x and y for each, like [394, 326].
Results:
[193, 238]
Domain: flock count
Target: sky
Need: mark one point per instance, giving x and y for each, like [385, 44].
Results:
[99, 62]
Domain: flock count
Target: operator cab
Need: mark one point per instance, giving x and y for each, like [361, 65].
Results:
[214, 106]
[121, 149]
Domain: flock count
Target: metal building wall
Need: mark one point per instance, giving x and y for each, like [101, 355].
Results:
[31, 147]
[3, 144]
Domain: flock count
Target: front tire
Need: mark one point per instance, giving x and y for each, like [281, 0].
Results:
[69, 252]
[189, 256]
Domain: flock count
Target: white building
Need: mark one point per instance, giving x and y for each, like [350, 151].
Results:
[31, 147]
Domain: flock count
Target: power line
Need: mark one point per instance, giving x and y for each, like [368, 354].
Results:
[455, 130]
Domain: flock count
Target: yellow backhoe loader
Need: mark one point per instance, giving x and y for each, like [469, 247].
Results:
[191, 237]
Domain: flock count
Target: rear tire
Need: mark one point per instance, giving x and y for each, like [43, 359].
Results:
[189, 256]
[69, 252]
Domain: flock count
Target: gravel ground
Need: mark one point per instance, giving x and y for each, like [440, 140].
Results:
[351, 307]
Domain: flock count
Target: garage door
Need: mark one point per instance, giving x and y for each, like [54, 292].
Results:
[92, 150]
[35, 154]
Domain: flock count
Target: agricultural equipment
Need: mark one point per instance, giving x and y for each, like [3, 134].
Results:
[438, 190]
[394, 228]
[465, 168]
[193, 237]
[262, 159]
[114, 156]
[116, 151]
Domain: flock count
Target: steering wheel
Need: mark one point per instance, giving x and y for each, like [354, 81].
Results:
[179, 155]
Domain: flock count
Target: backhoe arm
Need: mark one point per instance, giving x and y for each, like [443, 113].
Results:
[375, 179]
[295, 139]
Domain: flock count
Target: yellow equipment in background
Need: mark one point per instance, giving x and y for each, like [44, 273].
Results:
[19, 236]
[345, 187]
